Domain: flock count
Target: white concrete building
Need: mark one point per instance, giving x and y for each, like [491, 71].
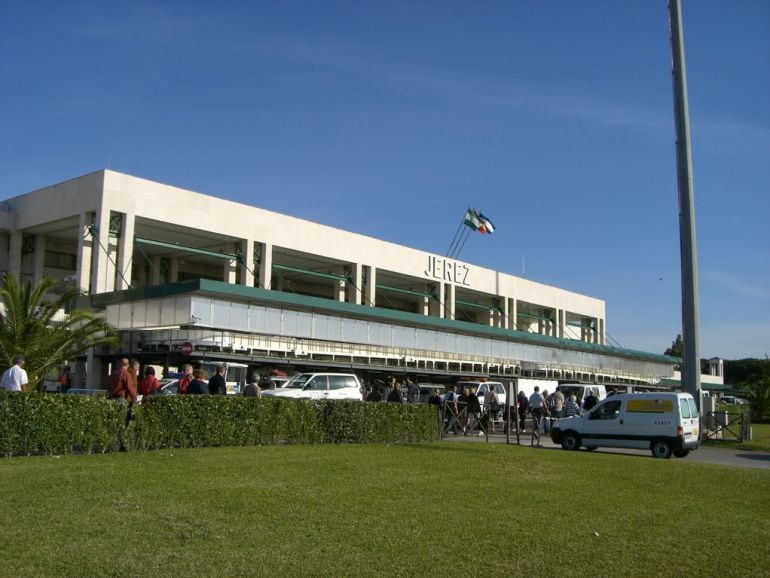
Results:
[171, 266]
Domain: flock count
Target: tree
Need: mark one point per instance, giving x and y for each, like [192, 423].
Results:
[46, 332]
[677, 348]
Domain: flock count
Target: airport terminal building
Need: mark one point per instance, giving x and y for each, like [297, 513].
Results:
[185, 276]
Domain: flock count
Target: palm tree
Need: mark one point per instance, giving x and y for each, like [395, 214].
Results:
[46, 332]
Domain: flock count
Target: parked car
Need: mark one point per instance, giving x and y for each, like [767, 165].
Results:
[319, 386]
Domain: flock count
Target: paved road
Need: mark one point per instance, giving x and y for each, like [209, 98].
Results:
[704, 454]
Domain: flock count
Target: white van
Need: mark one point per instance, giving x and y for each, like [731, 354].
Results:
[582, 390]
[665, 423]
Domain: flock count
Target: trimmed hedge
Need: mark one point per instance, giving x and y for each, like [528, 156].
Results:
[32, 423]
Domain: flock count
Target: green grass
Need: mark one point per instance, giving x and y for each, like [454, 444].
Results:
[452, 509]
[760, 440]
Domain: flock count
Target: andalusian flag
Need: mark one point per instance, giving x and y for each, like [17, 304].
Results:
[478, 222]
[472, 220]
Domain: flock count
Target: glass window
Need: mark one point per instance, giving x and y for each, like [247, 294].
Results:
[684, 407]
[607, 410]
[318, 383]
[693, 408]
[341, 381]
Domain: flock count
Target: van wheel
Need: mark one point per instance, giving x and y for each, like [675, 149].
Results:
[681, 453]
[661, 449]
[570, 441]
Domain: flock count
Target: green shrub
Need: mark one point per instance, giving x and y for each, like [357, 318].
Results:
[52, 424]
[32, 423]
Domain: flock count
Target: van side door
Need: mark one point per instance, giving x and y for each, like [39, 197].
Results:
[602, 426]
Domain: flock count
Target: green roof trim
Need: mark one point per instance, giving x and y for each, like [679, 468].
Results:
[244, 293]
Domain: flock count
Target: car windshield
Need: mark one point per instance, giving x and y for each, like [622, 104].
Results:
[298, 381]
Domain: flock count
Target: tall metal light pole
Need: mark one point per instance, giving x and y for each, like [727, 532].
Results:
[690, 326]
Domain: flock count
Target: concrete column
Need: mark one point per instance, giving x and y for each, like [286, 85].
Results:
[85, 247]
[266, 266]
[97, 374]
[437, 303]
[247, 267]
[513, 312]
[173, 272]
[602, 335]
[506, 313]
[155, 271]
[125, 251]
[560, 315]
[341, 290]
[38, 270]
[491, 317]
[230, 267]
[355, 289]
[14, 253]
[371, 287]
[426, 305]
[449, 301]
[103, 270]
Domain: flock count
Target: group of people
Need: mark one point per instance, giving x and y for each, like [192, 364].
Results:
[462, 411]
[127, 382]
[393, 391]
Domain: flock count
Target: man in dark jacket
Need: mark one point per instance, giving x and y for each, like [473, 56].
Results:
[217, 384]
[197, 385]
[395, 394]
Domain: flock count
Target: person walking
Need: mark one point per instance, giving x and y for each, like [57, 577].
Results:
[571, 407]
[197, 386]
[558, 403]
[217, 384]
[120, 386]
[15, 377]
[186, 378]
[149, 384]
[537, 407]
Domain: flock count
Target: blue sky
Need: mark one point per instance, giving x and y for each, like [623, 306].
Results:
[555, 119]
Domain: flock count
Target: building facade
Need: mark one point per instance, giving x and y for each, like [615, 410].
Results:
[170, 266]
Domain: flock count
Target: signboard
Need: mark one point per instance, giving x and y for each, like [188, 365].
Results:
[187, 348]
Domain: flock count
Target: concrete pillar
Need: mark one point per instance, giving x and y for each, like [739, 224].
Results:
[266, 266]
[449, 301]
[426, 305]
[371, 287]
[14, 253]
[341, 290]
[105, 251]
[437, 301]
[491, 317]
[39, 268]
[229, 267]
[125, 251]
[173, 270]
[355, 289]
[155, 271]
[513, 312]
[85, 247]
[247, 267]
[97, 374]
[602, 334]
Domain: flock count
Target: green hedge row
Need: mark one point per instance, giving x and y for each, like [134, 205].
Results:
[33, 423]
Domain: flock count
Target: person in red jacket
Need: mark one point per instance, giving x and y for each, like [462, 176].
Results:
[149, 384]
[120, 386]
[186, 378]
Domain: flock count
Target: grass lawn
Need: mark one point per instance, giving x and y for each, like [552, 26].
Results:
[459, 509]
[760, 440]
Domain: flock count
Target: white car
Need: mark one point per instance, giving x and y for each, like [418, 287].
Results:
[319, 386]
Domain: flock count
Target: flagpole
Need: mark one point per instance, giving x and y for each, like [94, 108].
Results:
[458, 232]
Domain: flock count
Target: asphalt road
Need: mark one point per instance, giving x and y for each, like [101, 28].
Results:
[704, 454]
